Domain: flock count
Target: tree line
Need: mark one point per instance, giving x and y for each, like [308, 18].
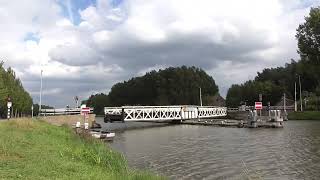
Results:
[11, 87]
[273, 82]
[171, 86]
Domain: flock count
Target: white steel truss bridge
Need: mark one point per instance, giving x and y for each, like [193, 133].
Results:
[162, 113]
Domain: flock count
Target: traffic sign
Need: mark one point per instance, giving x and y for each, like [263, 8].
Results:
[9, 104]
[258, 105]
[85, 110]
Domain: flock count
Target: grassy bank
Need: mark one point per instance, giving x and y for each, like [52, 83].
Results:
[305, 115]
[32, 149]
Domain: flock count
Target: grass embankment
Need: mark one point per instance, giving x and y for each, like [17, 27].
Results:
[305, 115]
[32, 149]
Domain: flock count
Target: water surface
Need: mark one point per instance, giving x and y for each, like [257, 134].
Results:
[203, 152]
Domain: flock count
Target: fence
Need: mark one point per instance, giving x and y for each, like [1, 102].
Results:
[62, 111]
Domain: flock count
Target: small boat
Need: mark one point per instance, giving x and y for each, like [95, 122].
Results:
[103, 135]
[108, 135]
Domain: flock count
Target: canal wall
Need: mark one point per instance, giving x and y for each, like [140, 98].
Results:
[69, 120]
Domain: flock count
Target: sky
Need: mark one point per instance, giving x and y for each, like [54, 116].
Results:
[86, 46]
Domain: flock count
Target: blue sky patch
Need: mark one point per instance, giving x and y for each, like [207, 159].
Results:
[116, 3]
[71, 8]
[30, 36]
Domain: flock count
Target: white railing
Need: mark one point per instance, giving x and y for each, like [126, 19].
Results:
[113, 110]
[264, 107]
[62, 111]
[155, 113]
[207, 112]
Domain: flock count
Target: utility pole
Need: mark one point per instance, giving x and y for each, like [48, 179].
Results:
[300, 94]
[284, 102]
[284, 107]
[200, 96]
[32, 111]
[40, 92]
[76, 98]
[295, 96]
[305, 103]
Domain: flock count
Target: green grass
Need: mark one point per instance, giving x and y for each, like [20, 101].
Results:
[32, 149]
[305, 115]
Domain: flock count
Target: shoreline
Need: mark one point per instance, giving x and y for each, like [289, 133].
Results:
[304, 115]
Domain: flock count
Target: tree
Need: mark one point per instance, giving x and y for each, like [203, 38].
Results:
[308, 36]
[11, 86]
[98, 102]
[171, 86]
[273, 82]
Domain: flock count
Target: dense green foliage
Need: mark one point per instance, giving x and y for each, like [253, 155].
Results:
[273, 82]
[171, 86]
[98, 102]
[32, 149]
[249, 93]
[10, 86]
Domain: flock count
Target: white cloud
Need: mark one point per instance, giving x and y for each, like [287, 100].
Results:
[231, 39]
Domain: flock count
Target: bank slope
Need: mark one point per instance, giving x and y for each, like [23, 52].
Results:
[305, 115]
[32, 149]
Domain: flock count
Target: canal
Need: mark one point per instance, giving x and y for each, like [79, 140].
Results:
[203, 152]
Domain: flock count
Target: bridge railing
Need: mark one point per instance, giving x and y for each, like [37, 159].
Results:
[154, 113]
[263, 108]
[211, 111]
[62, 111]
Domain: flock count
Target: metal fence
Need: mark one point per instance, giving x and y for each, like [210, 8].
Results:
[263, 108]
[62, 111]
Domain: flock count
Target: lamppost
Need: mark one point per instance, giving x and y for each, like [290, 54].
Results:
[300, 94]
[32, 111]
[200, 96]
[40, 92]
[295, 96]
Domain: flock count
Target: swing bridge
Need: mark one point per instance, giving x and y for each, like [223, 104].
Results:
[162, 113]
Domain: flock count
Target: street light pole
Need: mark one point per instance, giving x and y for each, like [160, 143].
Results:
[284, 102]
[32, 111]
[40, 91]
[300, 94]
[295, 96]
[200, 96]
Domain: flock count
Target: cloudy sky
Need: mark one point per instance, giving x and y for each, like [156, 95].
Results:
[85, 46]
